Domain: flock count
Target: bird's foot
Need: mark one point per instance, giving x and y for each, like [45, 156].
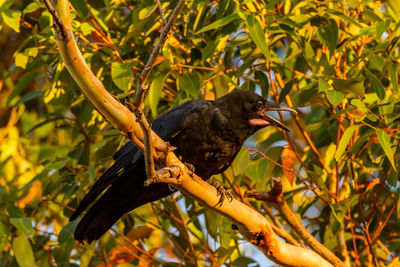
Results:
[170, 175]
[190, 168]
[222, 193]
[188, 165]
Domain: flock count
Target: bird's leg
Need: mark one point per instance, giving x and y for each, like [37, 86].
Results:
[222, 193]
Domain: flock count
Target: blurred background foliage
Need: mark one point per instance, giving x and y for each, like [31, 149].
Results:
[336, 62]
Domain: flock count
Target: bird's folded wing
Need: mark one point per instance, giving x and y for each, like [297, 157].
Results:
[128, 157]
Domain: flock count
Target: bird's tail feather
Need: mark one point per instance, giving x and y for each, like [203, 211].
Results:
[111, 206]
[97, 221]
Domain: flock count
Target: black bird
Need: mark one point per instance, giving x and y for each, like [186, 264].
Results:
[206, 134]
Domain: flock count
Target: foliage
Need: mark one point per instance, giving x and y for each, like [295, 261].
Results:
[336, 62]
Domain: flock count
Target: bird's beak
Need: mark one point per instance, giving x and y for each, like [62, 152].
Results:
[272, 119]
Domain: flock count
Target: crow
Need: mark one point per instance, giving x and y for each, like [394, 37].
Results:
[206, 134]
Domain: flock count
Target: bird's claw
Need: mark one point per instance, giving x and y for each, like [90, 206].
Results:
[188, 165]
[190, 168]
[222, 193]
[169, 174]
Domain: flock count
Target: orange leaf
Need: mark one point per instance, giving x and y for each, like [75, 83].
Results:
[119, 255]
[159, 60]
[172, 41]
[372, 184]
[288, 160]
[359, 114]
[34, 191]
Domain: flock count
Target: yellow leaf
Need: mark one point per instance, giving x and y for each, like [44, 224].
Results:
[288, 160]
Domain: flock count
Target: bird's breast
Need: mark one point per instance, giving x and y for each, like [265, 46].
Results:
[208, 154]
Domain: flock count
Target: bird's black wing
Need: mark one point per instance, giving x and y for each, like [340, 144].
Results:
[128, 157]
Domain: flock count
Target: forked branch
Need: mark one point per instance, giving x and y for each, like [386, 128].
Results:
[251, 224]
[276, 196]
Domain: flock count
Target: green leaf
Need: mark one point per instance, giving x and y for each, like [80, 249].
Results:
[338, 212]
[359, 104]
[21, 85]
[28, 96]
[244, 261]
[67, 232]
[376, 84]
[155, 91]
[285, 91]
[335, 97]
[4, 236]
[392, 178]
[31, 8]
[323, 85]
[393, 76]
[23, 224]
[257, 34]
[381, 27]
[344, 17]
[190, 82]
[344, 141]
[23, 251]
[11, 18]
[262, 81]
[121, 75]
[384, 140]
[213, 222]
[219, 23]
[80, 6]
[56, 165]
[147, 11]
[329, 35]
[241, 162]
[88, 254]
[262, 165]
[86, 28]
[350, 87]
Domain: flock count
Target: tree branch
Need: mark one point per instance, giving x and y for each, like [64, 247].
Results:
[149, 153]
[251, 224]
[161, 12]
[276, 196]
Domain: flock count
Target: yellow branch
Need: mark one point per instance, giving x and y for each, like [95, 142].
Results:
[251, 224]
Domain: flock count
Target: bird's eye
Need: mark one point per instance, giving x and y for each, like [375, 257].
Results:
[260, 104]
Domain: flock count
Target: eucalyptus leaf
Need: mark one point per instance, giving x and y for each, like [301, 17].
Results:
[384, 140]
[376, 84]
[23, 251]
[257, 34]
[344, 141]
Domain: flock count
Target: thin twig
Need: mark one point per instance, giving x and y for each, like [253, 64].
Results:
[290, 170]
[134, 246]
[61, 30]
[161, 13]
[156, 50]
[149, 152]
[184, 224]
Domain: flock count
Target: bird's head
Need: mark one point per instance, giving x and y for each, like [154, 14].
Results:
[249, 107]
